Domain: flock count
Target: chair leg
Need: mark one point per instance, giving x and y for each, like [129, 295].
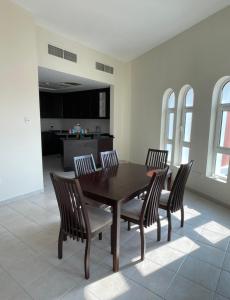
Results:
[142, 233]
[87, 257]
[111, 238]
[129, 226]
[182, 216]
[158, 229]
[100, 236]
[60, 243]
[169, 225]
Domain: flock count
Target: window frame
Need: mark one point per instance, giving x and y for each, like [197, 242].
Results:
[168, 111]
[220, 108]
[185, 110]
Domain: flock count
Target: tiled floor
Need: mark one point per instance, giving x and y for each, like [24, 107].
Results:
[194, 265]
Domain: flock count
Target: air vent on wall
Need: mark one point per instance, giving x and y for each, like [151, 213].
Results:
[62, 53]
[70, 56]
[104, 68]
[55, 51]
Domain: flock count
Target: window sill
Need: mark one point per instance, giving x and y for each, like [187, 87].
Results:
[218, 179]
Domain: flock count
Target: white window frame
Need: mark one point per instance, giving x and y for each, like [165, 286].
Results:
[218, 124]
[168, 110]
[185, 110]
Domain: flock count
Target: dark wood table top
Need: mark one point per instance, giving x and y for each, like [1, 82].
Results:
[117, 183]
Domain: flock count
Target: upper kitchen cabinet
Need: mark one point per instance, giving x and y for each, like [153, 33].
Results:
[100, 104]
[91, 104]
[51, 105]
[76, 105]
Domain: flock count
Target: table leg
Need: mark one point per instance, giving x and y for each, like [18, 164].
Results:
[116, 236]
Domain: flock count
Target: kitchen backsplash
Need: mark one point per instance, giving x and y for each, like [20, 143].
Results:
[65, 124]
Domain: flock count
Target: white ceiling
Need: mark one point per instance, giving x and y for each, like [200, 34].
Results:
[123, 29]
[52, 77]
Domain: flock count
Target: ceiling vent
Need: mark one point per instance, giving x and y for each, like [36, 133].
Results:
[104, 68]
[62, 53]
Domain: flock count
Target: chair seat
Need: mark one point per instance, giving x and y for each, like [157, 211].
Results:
[98, 218]
[132, 209]
[94, 203]
[164, 198]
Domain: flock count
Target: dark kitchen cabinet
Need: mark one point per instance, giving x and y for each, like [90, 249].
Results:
[92, 104]
[76, 105]
[51, 105]
[51, 143]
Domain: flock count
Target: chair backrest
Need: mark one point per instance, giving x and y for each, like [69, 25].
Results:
[109, 159]
[151, 202]
[156, 158]
[177, 193]
[84, 165]
[73, 211]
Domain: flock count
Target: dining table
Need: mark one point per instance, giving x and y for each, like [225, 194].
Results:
[114, 186]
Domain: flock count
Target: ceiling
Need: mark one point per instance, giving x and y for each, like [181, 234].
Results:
[54, 81]
[123, 29]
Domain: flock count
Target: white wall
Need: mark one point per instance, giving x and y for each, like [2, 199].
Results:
[199, 57]
[85, 67]
[20, 150]
[66, 124]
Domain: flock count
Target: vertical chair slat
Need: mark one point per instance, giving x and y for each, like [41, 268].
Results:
[109, 159]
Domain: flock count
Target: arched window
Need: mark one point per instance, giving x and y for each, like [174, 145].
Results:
[187, 95]
[169, 103]
[221, 148]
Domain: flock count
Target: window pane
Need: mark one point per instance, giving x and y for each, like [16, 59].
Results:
[188, 127]
[222, 162]
[225, 97]
[189, 98]
[225, 130]
[185, 155]
[169, 148]
[171, 100]
[170, 126]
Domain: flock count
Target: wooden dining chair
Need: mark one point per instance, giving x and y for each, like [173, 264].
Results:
[78, 221]
[157, 159]
[84, 165]
[109, 159]
[172, 201]
[145, 213]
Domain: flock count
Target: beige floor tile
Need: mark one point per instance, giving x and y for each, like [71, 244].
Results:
[226, 265]
[166, 257]
[150, 275]
[9, 289]
[223, 287]
[219, 297]
[52, 284]
[208, 254]
[182, 243]
[116, 286]
[183, 289]
[199, 272]
[78, 294]
[28, 270]
[214, 239]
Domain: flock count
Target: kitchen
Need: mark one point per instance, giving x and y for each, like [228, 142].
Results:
[75, 117]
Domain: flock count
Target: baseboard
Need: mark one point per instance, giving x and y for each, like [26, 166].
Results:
[7, 201]
[208, 197]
